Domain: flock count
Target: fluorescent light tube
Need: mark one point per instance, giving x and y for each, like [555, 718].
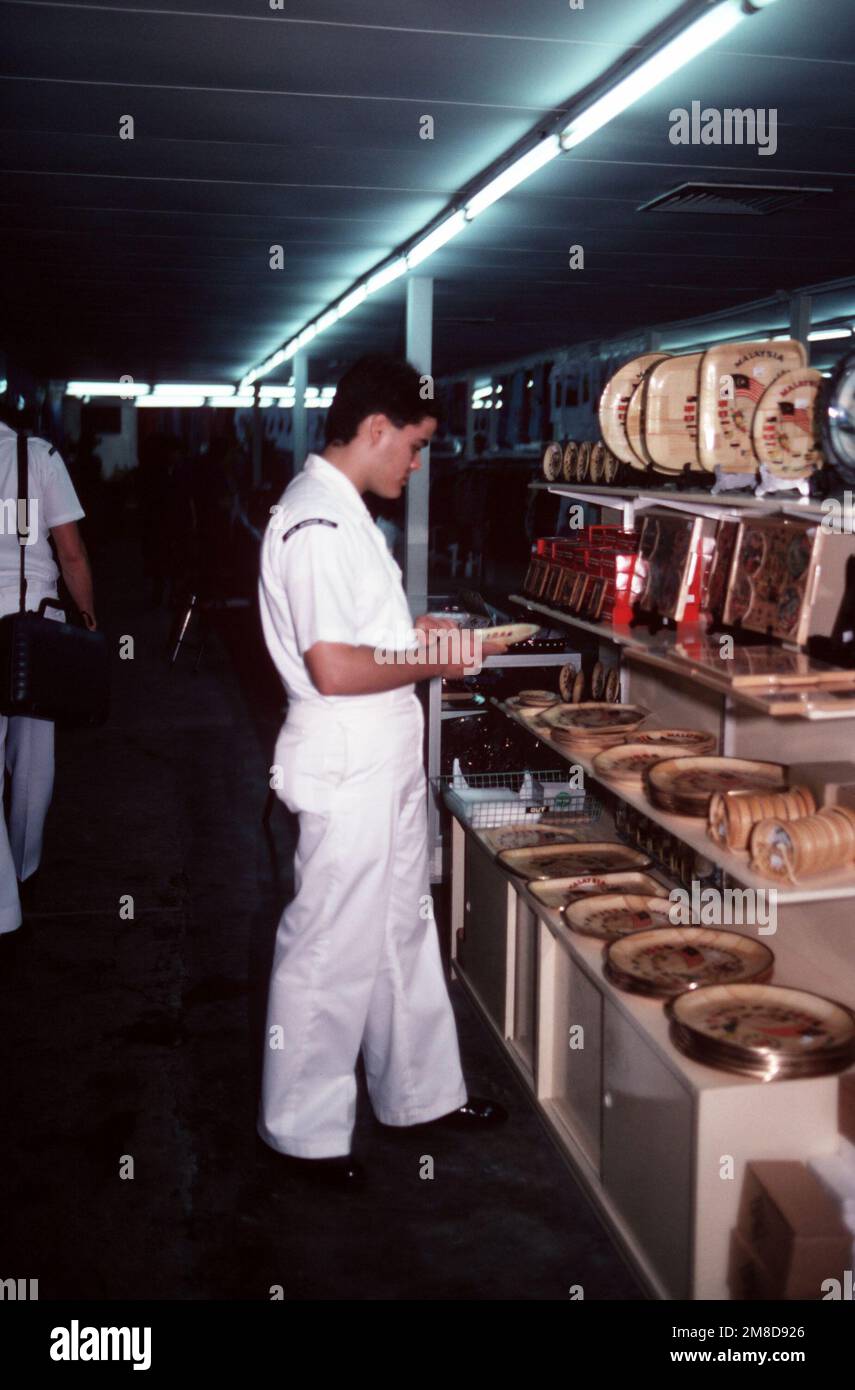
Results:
[667, 60]
[825, 335]
[352, 301]
[385, 276]
[515, 174]
[327, 320]
[106, 388]
[435, 239]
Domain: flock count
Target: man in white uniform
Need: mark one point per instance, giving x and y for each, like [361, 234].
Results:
[26, 745]
[357, 961]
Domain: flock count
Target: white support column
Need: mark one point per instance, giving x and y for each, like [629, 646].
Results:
[420, 354]
[299, 428]
[470, 418]
[256, 438]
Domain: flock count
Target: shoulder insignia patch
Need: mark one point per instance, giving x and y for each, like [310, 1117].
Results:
[51, 450]
[311, 521]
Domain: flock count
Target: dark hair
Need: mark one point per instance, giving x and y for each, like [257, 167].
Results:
[377, 384]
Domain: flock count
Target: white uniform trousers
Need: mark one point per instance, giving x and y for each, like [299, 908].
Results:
[357, 960]
[26, 751]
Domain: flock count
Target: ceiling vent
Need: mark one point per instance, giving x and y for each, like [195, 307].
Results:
[727, 199]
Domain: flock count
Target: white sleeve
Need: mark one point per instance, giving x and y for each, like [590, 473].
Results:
[318, 568]
[59, 501]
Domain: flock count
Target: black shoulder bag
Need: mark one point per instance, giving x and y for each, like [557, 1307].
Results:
[49, 669]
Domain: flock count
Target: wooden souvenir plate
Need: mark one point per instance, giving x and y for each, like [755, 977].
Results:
[578, 690]
[671, 959]
[510, 634]
[597, 466]
[598, 681]
[726, 534]
[772, 577]
[626, 763]
[635, 423]
[552, 459]
[593, 717]
[558, 893]
[686, 785]
[568, 463]
[583, 462]
[763, 1023]
[612, 467]
[572, 860]
[666, 559]
[671, 424]
[534, 699]
[733, 377]
[786, 428]
[610, 916]
[566, 677]
[692, 741]
[525, 836]
[612, 691]
[614, 402]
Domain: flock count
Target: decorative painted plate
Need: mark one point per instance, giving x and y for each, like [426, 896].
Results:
[612, 915]
[596, 717]
[671, 426]
[766, 1019]
[615, 400]
[536, 698]
[692, 741]
[686, 785]
[560, 892]
[673, 959]
[733, 377]
[786, 427]
[628, 762]
[525, 837]
[552, 459]
[591, 857]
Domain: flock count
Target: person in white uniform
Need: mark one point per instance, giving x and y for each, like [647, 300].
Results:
[27, 745]
[357, 962]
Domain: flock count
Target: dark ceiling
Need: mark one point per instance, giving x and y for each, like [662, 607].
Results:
[256, 126]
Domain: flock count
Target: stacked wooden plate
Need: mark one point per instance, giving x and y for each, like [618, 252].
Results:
[525, 837]
[552, 460]
[612, 915]
[568, 463]
[559, 893]
[685, 786]
[733, 815]
[534, 699]
[691, 741]
[765, 1031]
[626, 763]
[670, 960]
[583, 462]
[572, 860]
[671, 424]
[592, 725]
[733, 378]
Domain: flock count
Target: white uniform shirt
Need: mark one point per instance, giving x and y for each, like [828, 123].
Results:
[327, 576]
[48, 485]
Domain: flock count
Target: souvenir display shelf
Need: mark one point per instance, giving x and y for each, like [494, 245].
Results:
[630, 501]
[645, 1128]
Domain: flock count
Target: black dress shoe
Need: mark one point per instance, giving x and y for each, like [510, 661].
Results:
[476, 1114]
[344, 1171]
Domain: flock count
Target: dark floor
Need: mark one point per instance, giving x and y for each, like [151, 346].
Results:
[142, 1038]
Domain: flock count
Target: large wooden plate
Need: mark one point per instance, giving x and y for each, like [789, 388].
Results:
[785, 431]
[733, 377]
[627, 762]
[686, 785]
[672, 959]
[609, 916]
[593, 857]
[760, 1021]
[615, 400]
[593, 717]
[671, 422]
[558, 893]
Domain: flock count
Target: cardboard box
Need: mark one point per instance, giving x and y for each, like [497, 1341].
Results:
[794, 1228]
[846, 1106]
[747, 1277]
